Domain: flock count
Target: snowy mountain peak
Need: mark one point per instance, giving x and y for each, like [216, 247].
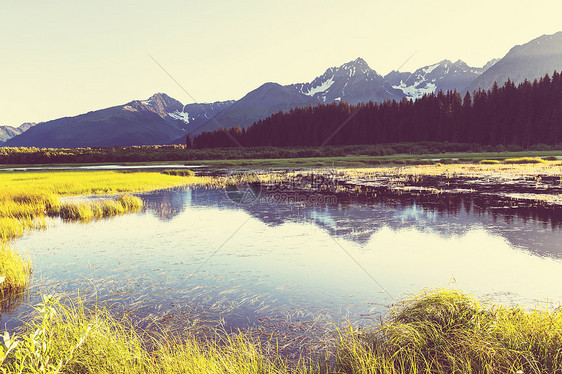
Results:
[442, 76]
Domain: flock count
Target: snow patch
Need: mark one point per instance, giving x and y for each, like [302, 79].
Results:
[414, 92]
[430, 68]
[321, 88]
[182, 116]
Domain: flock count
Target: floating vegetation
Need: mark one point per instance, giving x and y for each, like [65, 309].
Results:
[490, 162]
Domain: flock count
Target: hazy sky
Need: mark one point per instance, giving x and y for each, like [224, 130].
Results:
[62, 58]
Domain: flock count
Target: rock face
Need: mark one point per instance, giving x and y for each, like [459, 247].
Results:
[529, 61]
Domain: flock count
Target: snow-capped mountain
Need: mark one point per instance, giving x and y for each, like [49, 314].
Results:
[353, 82]
[162, 119]
[187, 117]
[157, 120]
[529, 61]
[8, 132]
[442, 76]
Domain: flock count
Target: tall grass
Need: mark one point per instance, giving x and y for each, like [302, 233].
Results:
[434, 332]
[70, 339]
[14, 271]
[450, 332]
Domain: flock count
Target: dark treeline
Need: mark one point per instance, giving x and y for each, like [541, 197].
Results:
[523, 115]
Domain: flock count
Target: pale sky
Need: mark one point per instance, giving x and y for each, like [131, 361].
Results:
[62, 58]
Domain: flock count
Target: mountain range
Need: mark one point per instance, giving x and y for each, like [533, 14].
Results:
[164, 120]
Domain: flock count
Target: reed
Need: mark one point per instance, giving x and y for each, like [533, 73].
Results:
[434, 332]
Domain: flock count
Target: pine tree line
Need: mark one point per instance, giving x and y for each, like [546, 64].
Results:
[527, 114]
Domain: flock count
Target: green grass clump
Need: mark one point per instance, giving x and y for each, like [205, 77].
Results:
[450, 332]
[77, 212]
[524, 160]
[14, 271]
[69, 339]
[130, 203]
[179, 172]
[87, 211]
[490, 162]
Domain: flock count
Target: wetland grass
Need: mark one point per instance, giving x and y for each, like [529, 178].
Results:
[524, 160]
[26, 198]
[449, 332]
[70, 339]
[435, 332]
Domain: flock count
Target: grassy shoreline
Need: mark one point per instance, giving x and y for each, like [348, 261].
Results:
[434, 332]
[27, 198]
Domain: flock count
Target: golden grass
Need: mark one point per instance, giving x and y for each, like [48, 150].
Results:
[70, 339]
[447, 331]
[435, 332]
[14, 271]
[27, 197]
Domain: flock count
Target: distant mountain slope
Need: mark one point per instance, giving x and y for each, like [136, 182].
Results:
[442, 76]
[158, 120]
[529, 61]
[257, 104]
[353, 82]
[8, 132]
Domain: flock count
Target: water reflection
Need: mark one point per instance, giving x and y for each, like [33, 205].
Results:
[194, 255]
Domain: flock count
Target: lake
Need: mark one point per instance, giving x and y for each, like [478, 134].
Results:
[195, 256]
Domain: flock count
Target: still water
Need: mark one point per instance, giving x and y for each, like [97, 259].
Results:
[195, 255]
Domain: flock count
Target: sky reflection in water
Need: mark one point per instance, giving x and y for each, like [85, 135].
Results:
[284, 259]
